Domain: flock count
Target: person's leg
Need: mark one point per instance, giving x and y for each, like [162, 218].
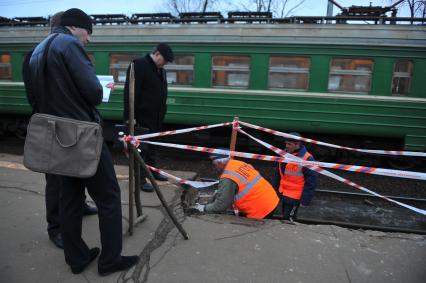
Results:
[104, 190]
[71, 214]
[151, 159]
[144, 184]
[286, 210]
[289, 208]
[53, 184]
[150, 155]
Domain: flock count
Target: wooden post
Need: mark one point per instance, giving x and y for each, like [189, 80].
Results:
[157, 190]
[233, 136]
[137, 189]
[131, 151]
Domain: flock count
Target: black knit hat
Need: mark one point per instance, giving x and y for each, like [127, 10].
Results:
[78, 18]
[294, 134]
[166, 51]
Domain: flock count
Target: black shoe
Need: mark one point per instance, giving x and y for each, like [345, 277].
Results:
[89, 210]
[57, 240]
[147, 187]
[125, 263]
[93, 253]
[158, 176]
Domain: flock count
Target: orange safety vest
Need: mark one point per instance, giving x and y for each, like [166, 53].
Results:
[256, 198]
[293, 181]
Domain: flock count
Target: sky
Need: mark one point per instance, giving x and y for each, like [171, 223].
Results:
[44, 8]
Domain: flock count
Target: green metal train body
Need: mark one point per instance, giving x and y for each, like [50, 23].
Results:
[342, 79]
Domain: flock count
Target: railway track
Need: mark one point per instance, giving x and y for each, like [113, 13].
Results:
[351, 210]
[363, 211]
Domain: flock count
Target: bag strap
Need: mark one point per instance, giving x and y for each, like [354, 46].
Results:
[44, 64]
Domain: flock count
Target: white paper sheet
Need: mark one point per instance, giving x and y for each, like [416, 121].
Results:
[201, 184]
[105, 82]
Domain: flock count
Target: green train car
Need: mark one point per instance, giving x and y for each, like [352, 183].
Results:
[323, 79]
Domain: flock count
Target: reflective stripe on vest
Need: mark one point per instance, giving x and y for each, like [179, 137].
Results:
[247, 189]
[298, 171]
[241, 178]
[291, 173]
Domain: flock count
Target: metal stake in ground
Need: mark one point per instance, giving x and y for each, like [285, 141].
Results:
[132, 168]
[235, 127]
[157, 190]
[131, 153]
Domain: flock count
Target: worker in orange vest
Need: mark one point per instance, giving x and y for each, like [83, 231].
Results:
[296, 184]
[241, 187]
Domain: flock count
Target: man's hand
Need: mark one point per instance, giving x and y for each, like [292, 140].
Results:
[199, 207]
[196, 208]
[111, 86]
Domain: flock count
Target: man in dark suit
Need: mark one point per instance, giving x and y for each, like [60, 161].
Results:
[150, 99]
[53, 183]
[73, 92]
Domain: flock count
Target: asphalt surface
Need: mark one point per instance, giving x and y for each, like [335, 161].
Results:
[220, 248]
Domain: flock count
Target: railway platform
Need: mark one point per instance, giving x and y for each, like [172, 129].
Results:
[221, 248]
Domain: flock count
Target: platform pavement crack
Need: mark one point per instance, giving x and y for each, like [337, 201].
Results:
[347, 276]
[143, 267]
[247, 233]
[340, 257]
[23, 190]
[87, 279]
[173, 244]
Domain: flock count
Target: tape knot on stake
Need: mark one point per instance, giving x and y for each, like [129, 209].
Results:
[132, 140]
[235, 125]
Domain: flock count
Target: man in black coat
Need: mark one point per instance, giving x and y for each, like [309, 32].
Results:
[150, 99]
[64, 84]
[52, 182]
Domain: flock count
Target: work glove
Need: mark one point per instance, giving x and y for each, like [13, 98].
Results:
[199, 207]
[196, 208]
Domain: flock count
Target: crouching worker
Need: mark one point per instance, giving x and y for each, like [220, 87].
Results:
[295, 183]
[241, 187]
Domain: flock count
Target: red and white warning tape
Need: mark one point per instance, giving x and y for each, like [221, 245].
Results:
[373, 151]
[332, 175]
[195, 184]
[286, 160]
[181, 131]
[290, 159]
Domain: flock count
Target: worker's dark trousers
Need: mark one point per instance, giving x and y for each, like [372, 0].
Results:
[53, 186]
[104, 190]
[289, 208]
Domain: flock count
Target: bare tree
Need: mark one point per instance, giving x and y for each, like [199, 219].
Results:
[184, 6]
[279, 8]
[417, 8]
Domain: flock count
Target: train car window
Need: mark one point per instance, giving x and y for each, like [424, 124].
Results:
[350, 75]
[231, 71]
[5, 67]
[181, 71]
[118, 64]
[288, 72]
[401, 79]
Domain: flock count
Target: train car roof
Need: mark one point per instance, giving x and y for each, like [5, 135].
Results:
[321, 34]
